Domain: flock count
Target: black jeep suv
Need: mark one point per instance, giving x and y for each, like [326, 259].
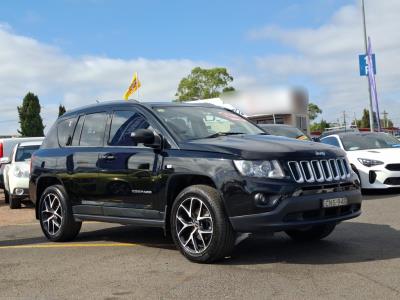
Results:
[200, 172]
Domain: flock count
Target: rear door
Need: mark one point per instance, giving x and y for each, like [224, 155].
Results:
[82, 160]
[129, 173]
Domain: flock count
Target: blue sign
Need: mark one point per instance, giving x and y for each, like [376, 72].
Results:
[363, 61]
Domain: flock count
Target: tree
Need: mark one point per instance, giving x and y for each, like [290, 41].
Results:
[31, 122]
[319, 126]
[364, 122]
[61, 110]
[313, 111]
[204, 84]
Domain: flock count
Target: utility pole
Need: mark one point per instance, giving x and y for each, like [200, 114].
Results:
[344, 120]
[371, 110]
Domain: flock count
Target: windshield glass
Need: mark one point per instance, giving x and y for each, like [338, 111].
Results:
[354, 142]
[24, 153]
[191, 123]
[290, 132]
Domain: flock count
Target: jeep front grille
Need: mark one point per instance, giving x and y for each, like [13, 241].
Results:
[324, 170]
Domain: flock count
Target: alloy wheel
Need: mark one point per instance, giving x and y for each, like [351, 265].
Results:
[51, 213]
[194, 225]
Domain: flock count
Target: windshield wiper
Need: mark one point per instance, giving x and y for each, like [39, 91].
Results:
[218, 134]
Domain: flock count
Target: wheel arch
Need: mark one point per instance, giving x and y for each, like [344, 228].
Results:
[41, 184]
[178, 183]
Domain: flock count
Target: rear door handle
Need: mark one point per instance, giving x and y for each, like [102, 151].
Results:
[108, 156]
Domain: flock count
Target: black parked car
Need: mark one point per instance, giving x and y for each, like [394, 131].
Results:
[200, 172]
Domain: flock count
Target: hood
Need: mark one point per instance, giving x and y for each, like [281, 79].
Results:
[264, 147]
[387, 155]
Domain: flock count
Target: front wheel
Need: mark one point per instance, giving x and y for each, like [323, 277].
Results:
[199, 226]
[14, 202]
[6, 195]
[312, 233]
[55, 215]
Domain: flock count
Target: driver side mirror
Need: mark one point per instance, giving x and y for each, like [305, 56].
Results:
[5, 160]
[147, 137]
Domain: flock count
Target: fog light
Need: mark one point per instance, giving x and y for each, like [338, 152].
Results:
[19, 192]
[372, 176]
[266, 200]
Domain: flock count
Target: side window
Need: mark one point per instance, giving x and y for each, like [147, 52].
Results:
[331, 141]
[51, 140]
[77, 132]
[123, 123]
[65, 129]
[93, 130]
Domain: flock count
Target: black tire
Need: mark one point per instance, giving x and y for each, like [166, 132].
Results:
[314, 233]
[68, 228]
[221, 241]
[14, 202]
[6, 195]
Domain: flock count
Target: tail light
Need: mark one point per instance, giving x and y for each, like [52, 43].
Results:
[1, 150]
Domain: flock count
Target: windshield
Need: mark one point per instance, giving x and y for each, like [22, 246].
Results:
[290, 132]
[24, 153]
[353, 142]
[191, 123]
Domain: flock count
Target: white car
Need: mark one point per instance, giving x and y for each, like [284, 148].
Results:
[16, 172]
[375, 157]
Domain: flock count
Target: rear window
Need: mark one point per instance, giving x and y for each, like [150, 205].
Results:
[65, 129]
[25, 152]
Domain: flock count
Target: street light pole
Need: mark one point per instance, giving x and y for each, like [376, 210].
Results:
[371, 110]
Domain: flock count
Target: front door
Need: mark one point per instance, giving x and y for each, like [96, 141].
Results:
[129, 173]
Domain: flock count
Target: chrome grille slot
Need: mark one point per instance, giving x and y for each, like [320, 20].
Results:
[324, 170]
[316, 166]
[335, 169]
[307, 171]
[341, 168]
[296, 171]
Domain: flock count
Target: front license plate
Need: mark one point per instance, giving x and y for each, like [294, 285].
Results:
[335, 202]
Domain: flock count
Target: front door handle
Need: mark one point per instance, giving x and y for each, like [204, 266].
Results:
[108, 156]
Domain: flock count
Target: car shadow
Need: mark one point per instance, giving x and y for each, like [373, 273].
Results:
[350, 242]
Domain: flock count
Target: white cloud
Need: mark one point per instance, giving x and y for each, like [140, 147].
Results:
[28, 65]
[328, 56]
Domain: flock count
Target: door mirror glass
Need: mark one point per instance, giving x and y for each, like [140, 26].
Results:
[146, 137]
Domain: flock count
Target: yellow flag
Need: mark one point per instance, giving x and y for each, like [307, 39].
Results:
[133, 87]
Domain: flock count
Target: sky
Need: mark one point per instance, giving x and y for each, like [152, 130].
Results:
[76, 52]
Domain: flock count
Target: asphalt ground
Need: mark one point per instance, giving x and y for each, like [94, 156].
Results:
[360, 260]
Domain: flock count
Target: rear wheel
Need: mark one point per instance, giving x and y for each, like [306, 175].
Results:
[14, 202]
[55, 215]
[312, 233]
[199, 226]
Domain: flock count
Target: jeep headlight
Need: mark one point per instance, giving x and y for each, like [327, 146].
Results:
[257, 168]
[370, 162]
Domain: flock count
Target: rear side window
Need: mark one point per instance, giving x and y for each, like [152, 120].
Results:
[77, 132]
[124, 122]
[51, 140]
[93, 130]
[65, 129]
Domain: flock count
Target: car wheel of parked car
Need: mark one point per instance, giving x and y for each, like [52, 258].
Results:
[13, 202]
[199, 226]
[55, 215]
[313, 233]
[6, 195]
